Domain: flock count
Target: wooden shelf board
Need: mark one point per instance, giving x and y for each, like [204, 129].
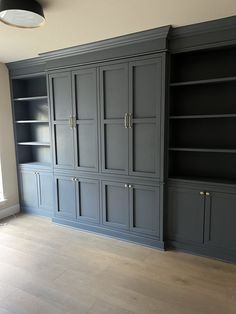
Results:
[30, 98]
[205, 116]
[34, 143]
[203, 179]
[203, 150]
[37, 164]
[31, 121]
[208, 81]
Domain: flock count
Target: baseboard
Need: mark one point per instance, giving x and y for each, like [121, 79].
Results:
[6, 212]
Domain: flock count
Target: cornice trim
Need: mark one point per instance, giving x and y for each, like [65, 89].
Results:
[156, 33]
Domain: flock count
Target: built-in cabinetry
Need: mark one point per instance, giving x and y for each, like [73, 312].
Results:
[201, 218]
[134, 137]
[33, 142]
[202, 148]
[106, 125]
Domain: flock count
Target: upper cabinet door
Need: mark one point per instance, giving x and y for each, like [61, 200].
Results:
[145, 96]
[62, 113]
[114, 107]
[86, 137]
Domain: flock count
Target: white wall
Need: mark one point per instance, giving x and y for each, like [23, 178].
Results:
[7, 148]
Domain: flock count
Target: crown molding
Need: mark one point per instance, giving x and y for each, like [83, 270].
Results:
[205, 35]
[152, 34]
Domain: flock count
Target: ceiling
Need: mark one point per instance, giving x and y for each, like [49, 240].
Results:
[74, 22]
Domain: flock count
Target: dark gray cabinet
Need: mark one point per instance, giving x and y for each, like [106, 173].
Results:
[65, 192]
[220, 228]
[201, 218]
[145, 209]
[114, 110]
[28, 188]
[36, 191]
[145, 96]
[131, 96]
[74, 119]
[62, 118]
[88, 197]
[185, 215]
[115, 198]
[77, 198]
[133, 207]
[86, 122]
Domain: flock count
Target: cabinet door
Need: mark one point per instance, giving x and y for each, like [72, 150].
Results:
[65, 191]
[85, 99]
[115, 205]
[185, 215]
[88, 200]
[28, 189]
[62, 112]
[220, 228]
[45, 188]
[145, 96]
[145, 209]
[114, 106]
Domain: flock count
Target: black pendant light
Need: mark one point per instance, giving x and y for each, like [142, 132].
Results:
[21, 13]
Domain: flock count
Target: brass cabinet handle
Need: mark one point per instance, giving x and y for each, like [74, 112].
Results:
[74, 121]
[130, 120]
[126, 120]
[71, 122]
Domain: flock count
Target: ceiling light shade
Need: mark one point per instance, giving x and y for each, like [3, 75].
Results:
[21, 13]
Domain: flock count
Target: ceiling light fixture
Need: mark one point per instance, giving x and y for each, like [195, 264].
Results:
[21, 13]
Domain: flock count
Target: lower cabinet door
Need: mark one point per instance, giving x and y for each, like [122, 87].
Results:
[88, 200]
[115, 199]
[65, 191]
[28, 189]
[185, 215]
[45, 184]
[145, 209]
[220, 229]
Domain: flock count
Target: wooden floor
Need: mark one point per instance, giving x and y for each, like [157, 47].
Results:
[47, 269]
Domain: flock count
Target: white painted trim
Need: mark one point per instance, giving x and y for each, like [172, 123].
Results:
[6, 212]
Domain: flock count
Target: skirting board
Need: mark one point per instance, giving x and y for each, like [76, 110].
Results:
[6, 212]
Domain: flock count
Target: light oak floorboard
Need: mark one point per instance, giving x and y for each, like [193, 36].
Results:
[47, 269]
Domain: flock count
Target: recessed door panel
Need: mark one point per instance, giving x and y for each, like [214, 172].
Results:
[220, 220]
[115, 148]
[85, 83]
[146, 76]
[185, 215]
[46, 197]
[115, 91]
[65, 197]
[115, 205]
[114, 107]
[145, 210]
[87, 146]
[88, 207]
[145, 156]
[64, 146]
[86, 135]
[145, 97]
[28, 189]
[61, 95]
